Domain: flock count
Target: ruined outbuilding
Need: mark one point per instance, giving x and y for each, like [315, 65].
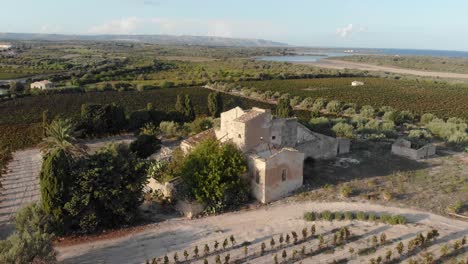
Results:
[275, 148]
[404, 148]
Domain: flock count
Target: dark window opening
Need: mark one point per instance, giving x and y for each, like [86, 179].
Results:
[273, 137]
[283, 175]
[257, 177]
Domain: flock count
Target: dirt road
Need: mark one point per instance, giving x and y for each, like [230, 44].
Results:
[340, 65]
[256, 226]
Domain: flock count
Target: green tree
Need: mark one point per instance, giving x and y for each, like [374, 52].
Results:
[107, 189]
[284, 109]
[180, 105]
[31, 241]
[189, 110]
[212, 174]
[55, 178]
[60, 134]
[45, 122]
[215, 104]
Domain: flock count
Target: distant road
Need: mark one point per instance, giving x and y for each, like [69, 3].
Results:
[340, 65]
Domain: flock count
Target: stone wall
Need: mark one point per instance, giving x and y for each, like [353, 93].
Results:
[403, 148]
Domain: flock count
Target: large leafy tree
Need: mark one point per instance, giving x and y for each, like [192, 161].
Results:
[215, 104]
[213, 174]
[102, 119]
[284, 108]
[107, 189]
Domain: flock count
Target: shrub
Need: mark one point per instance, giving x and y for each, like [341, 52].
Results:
[31, 242]
[390, 116]
[295, 101]
[334, 106]
[346, 191]
[169, 128]
[426, 118]
[310, 216]
[397, 220]
[326, 215]
[307, 103]
[343, 130]
[145, 145]
[372, 217]
[404, 117]
[201, 124]
[387, 195]
[338, 216]
[367, 111]
[361, 216]
[348, 215]
[319, 103]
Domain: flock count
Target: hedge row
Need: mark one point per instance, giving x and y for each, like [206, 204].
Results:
[361, 216]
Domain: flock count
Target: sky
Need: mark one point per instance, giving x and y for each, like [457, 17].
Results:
[411, 24]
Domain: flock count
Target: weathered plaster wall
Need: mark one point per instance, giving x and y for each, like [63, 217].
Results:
[257, 129]
[256, 164]
[290, 160]
[321, 147]
[284, 132]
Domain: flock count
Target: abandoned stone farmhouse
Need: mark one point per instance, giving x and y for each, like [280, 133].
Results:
[275, 148]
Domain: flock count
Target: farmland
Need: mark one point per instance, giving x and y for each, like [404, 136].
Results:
[419, 97]
[20, 118]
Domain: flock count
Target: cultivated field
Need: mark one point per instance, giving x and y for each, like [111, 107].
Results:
[419, 97]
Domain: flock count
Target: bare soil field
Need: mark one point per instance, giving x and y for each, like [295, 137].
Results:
[260, 225]
[340, 65]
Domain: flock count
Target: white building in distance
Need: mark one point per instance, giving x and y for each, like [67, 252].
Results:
[357, 83]
[43, 85]
[5, 46]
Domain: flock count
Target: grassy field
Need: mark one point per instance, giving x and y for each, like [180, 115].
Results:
[420, 97]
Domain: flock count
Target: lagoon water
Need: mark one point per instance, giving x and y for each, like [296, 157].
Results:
[303, 58]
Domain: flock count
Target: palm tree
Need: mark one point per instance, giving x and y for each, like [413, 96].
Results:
[60, 134]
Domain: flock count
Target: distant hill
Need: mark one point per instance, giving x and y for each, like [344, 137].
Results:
[156, 39]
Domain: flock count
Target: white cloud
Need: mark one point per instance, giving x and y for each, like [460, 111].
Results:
[48, 29]
[349, 30]
[201, 27]
[346, 31]
[120, 26]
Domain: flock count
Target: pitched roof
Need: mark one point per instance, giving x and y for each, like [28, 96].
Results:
[207, 134]
[249, 115]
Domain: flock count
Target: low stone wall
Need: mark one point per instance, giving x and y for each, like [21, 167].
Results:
[408, 152]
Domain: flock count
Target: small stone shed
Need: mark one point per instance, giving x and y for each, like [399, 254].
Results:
[403, 147]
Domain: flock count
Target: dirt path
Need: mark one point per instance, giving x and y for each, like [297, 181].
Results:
[340, 65]
[256, 226]
[20, 186]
